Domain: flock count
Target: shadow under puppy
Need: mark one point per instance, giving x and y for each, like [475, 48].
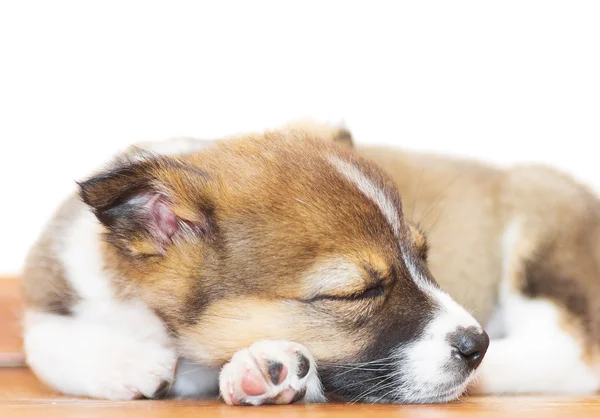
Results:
[272, 253]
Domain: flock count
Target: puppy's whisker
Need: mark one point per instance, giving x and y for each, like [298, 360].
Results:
[437, 199]
[433, 225]
[416, 195]
[375, 366]
[350, 368]
[197, 369]
[362, 369]
[360, 383]
[380, 360]
[301, 201]
[386, 395]
[384, 384]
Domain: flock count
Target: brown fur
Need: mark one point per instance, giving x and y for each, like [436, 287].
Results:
[256, 214]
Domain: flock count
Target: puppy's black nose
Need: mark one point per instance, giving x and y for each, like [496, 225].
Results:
[471, 344]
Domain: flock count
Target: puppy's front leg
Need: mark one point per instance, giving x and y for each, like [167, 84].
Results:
[271, 372]
[89, 357]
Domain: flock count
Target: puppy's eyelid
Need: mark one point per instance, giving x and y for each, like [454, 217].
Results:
[372, 292]
[377, 276]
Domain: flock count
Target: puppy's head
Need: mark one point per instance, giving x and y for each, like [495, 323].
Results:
[287, 236]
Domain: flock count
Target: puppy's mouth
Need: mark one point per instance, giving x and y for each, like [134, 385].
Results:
[434, 398]
[437, 394]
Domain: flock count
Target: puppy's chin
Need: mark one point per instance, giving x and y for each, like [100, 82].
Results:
[423, 381]
[429, 395]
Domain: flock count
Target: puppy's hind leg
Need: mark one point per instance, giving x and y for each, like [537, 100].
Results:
[548, 346]
[540, 357]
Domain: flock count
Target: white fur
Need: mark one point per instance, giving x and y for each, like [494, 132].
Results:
[537, 355]
[88, 358]
[81, 257]
[109, 348]
[370, 190]
[424, 361]
[425, 372]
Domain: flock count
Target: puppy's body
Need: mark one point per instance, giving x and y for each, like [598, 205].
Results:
[519, 249]
[516, 247]
[282, 237]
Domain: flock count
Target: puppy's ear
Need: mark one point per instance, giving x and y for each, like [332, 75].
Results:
[328, 132]
[344, 137]
[150, 202]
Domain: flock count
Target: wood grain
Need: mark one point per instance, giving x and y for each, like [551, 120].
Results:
[24, 396]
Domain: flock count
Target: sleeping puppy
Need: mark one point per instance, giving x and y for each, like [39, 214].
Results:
[270, 253]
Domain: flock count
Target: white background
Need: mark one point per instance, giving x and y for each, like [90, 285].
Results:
[504, 81]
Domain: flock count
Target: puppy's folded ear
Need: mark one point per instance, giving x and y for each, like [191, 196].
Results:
[344, 137]
[328, 132]
[149, 202]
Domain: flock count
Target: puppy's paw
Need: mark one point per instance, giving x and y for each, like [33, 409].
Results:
[134, 370]
[270, 372]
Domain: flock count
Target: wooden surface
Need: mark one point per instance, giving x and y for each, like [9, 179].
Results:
[11, 309]
[23, 396]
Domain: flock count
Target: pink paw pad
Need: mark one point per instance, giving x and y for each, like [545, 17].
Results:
[265, 373]
[253, 384]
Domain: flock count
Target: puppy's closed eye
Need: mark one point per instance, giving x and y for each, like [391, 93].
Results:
[373, 292]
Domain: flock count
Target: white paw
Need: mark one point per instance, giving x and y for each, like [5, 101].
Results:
[270, 372]
[132, 370]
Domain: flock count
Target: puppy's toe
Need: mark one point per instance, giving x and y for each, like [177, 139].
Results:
[162, 391]
[253, 383]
